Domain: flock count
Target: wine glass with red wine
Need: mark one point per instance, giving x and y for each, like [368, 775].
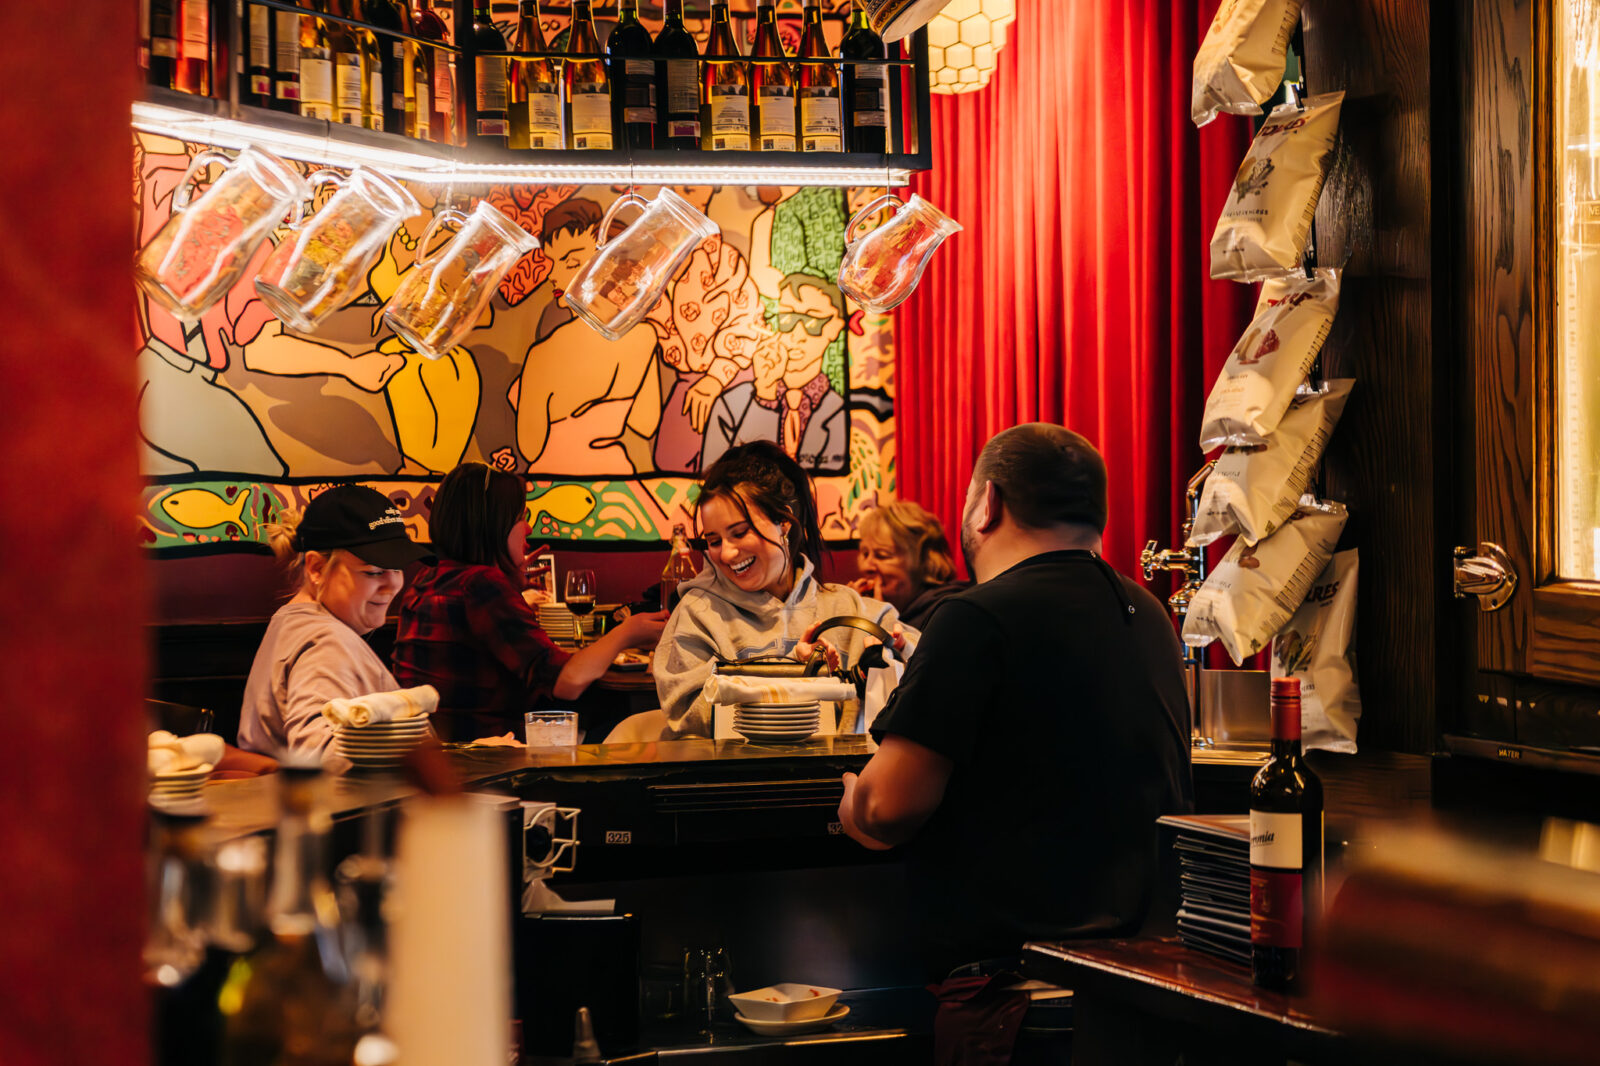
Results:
[580, 599]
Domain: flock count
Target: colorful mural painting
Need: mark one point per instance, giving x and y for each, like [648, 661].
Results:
[242, 417]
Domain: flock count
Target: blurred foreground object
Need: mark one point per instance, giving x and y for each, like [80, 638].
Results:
[1483, 952]
[450, 994]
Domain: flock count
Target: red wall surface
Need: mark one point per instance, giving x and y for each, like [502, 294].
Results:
[72, 581]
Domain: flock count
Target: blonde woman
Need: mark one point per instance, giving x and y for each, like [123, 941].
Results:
[344, 556]
[905, 560]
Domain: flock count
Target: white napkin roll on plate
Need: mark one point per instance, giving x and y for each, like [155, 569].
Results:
[358, 711]
[720, 689]
[171, 754]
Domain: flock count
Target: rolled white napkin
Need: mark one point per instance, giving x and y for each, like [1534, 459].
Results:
[720, 689]
[170, 754]
[358, 711]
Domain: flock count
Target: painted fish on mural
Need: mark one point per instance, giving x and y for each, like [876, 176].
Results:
[568, 504]
[203, 509]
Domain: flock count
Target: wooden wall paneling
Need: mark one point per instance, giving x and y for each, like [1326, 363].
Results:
[1565, 621]
[1496, 273]
[1488, 708]
[1375, 220]
[1556, 716]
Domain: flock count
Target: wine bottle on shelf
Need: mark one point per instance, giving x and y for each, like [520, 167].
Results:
[192, 72]
[866, 85]
[285, 61]
[491, 122]
[633, 78]
[724, 88]
[144, 38]
[349, 79]
[680, 568]
[419, 92]
[771, 86]
[316, 63]
[292, 998]
[372, 113]
[392, 57]
[1285, 847]
[535, 90]
[678, 82]
[163, 47]
[258, 47]
[587, 85]
[427, 24]
[821, 121]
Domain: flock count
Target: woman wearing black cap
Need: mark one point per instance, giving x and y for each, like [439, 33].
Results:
[344, 556]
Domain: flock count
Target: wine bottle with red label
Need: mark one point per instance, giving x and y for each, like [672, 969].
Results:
[1285, 848]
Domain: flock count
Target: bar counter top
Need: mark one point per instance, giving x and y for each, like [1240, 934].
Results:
[242, 807]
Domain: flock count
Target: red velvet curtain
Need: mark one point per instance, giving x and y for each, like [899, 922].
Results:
[1078, 291]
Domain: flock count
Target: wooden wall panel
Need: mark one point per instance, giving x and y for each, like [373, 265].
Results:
[1495, 284]
[1375, 219]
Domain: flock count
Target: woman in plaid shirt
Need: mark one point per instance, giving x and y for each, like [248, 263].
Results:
[465, 628]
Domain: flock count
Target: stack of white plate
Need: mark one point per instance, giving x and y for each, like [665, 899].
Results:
[179, 784]
[777, 722]
[560, 624]
[380, 744]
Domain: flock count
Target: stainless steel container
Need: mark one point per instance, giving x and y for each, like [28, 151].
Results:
[1232, 709]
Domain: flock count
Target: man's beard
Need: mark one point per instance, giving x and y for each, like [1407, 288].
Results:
[969, 546]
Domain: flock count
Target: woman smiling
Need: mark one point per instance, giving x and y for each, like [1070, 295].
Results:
[905, 560]
[760, 595]
[345, 556]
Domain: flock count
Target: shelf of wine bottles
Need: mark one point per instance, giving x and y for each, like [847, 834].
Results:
[379, 76]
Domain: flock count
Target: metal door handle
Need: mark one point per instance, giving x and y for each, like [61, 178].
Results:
[1487, 575]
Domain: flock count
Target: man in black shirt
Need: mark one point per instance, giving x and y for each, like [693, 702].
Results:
[1041, 727]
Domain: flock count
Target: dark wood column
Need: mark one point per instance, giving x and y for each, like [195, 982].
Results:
[1389, 460]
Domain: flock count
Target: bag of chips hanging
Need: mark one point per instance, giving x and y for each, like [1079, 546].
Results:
[1266, 221]
[1271, 361]
[1253, 489]
[1318, 647]
[1257, 588]
[1240, 63]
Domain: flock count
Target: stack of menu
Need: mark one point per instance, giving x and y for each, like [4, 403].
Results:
[1213, 882]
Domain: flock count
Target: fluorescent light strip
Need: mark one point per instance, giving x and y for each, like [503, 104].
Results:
[419, 167]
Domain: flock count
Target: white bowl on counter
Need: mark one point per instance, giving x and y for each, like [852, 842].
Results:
[785, 1003]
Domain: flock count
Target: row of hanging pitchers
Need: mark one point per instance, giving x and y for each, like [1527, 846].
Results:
[323, 261]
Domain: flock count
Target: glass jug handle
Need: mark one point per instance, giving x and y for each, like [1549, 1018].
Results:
[867, 212]
[197, 165]
[603, 234]
[297, 210]
[443, 218]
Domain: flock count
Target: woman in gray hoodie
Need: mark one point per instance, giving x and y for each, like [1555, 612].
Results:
[761, 592]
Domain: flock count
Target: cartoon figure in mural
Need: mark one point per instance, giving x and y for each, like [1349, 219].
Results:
[192, 415]
[708, 324]
[798, 383]
[266, 401]
[593, 415]
[791, 398]
[434, 402]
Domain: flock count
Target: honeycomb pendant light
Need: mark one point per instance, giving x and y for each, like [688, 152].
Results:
[963, 41]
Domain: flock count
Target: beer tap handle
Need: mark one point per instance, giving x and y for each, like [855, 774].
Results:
[1150, 561]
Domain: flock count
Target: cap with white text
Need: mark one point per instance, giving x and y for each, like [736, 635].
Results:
[362, 521]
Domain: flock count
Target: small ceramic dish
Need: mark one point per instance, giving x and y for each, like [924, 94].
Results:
[785, 1003]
